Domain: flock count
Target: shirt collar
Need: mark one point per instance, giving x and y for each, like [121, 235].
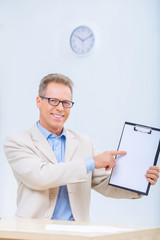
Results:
[47, 133]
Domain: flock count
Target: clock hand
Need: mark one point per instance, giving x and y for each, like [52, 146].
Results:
[79, 38]
[87, 37]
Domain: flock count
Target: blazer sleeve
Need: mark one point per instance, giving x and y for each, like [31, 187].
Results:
[100, 179]
[38, 174]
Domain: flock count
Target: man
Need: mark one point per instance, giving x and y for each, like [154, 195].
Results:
[55, 167]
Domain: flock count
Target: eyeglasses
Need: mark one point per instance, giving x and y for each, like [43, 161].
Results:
[56, 102]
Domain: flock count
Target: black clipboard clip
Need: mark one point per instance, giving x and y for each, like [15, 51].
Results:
[142, 129]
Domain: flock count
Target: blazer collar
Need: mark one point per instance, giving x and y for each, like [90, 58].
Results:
[42, 144]
[71, 145]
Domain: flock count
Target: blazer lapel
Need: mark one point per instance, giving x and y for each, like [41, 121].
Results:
[42, 144]
[71, 145]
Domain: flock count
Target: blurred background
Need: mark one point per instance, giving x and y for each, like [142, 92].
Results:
[118, 81]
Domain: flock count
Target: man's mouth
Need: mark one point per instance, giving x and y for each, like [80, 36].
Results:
[57, 115]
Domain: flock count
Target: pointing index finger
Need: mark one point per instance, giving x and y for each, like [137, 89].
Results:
[114, 153]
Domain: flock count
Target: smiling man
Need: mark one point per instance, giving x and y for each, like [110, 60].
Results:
[55, 167]
[54, 111]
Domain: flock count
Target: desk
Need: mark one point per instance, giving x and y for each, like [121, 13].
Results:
[34, 229]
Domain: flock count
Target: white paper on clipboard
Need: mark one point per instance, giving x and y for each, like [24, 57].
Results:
[142, 144]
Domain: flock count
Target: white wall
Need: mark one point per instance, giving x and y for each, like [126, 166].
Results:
[121, 76]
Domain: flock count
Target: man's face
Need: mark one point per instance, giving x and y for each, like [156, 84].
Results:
[53, 117]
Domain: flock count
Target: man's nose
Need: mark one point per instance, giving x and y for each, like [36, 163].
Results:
[60, 106]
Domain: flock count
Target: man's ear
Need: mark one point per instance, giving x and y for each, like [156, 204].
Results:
[38, 101]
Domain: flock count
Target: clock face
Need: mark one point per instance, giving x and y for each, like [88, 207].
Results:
[82, 40]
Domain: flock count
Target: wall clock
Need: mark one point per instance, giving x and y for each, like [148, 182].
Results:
[82, 40]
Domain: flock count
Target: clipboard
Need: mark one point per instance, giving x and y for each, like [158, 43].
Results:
[142, 144]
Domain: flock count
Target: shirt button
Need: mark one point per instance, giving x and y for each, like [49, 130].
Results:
[51, 196]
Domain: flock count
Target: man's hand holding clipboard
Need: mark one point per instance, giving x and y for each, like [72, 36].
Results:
[152, 174]
[136, 170]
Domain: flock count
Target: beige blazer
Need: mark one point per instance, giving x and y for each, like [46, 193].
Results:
[39, 175]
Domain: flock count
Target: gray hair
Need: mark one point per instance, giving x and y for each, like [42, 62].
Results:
[56, 78]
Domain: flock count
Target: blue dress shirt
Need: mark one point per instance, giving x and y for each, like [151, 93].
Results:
[62, 209]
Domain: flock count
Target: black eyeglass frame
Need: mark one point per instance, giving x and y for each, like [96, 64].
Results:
[59, 101]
